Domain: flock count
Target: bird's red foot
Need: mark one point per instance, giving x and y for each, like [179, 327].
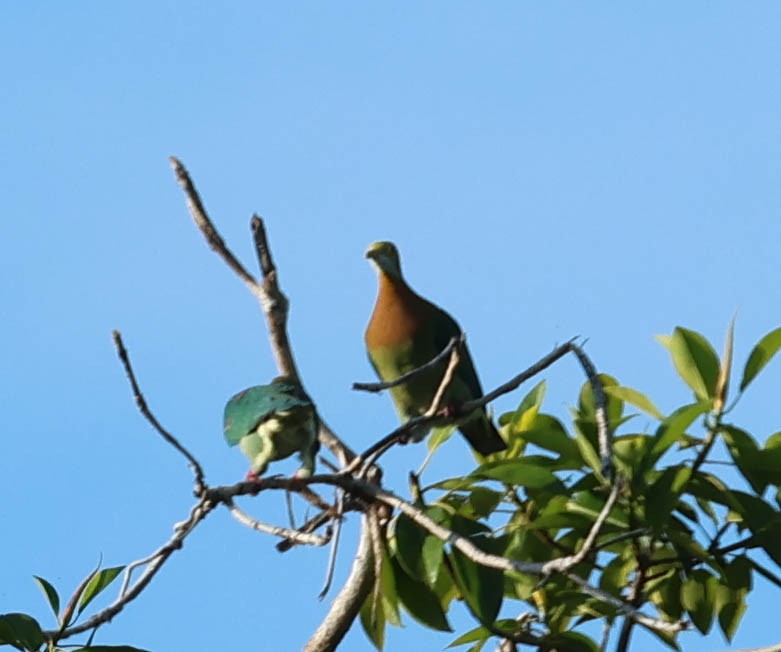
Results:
[452, 410]
[253, 477]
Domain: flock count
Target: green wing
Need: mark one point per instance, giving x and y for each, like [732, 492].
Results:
[447, 328]
[247, 409]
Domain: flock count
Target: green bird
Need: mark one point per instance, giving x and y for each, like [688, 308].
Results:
[271, 422]
[405, 332]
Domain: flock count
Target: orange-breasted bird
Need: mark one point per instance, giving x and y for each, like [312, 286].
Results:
[405, 332]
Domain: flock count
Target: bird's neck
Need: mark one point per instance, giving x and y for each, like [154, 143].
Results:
[395, 289]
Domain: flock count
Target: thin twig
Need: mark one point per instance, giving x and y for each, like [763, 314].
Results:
[604, 433]
[153, 562]
[520, 635]
[274, 303]
[147, 413]
[447, 378]
[378, 387]
[375, 532]
[373, 453]
[564, 564]
[632, 534]
[707, 444]
[337, 532]
[205, 225]
[311, 525]
[276, 530]
[449, 416]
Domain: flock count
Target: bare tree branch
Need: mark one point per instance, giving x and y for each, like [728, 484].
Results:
[451, 416]
[205, 226]
[447, 378]
[282, 532]
[373, 453]
[337, 533]
[144, 409]
[378, 387]
[153, 563]
[564, 564]
[311, 525]
[275, 304]
[605, 435]
[372, 492]
[347, 604]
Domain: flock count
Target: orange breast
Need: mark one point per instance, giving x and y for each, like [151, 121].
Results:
[398, 314]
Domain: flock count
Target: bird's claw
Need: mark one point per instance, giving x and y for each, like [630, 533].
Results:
[451, 411]
[253, 477]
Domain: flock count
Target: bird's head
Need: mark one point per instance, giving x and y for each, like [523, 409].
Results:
[386, 257]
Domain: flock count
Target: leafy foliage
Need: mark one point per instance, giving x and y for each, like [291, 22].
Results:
[23, 632]
[680, 542]
[677, 541]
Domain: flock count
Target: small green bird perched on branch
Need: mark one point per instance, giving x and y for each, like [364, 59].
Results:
[405, 332]
[271, 422]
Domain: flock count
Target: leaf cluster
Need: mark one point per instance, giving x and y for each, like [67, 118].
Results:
[23, 632]
[680, 543]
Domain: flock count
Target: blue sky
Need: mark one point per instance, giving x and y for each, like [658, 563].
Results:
[548, 170]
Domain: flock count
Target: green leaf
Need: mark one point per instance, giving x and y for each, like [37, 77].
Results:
[763, 521]
[591, 504]
[731, 613]
[570, 641]
[484, 500]
[633, 397]
[388, 594]
[51, 595]
[662, 496]
[696, 361]
[99, 581]
[472, 636]
[420, 601]
[587, 408]
[419, 553]
[761, 354]
[615, 576]
[454, 484]
[373, 621]
[667, 638]
[477, 647]
[672, 430]
[731, 594]
[482, 588]
[697, 596]
[21, 631]
[629, 451]
[725, 370]
[439, 436]
[667, 596]
[527, 410]
[548, 433]
[408, 544]
[709, 487]
[518, 473]
[587, 450]
[748, 458]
